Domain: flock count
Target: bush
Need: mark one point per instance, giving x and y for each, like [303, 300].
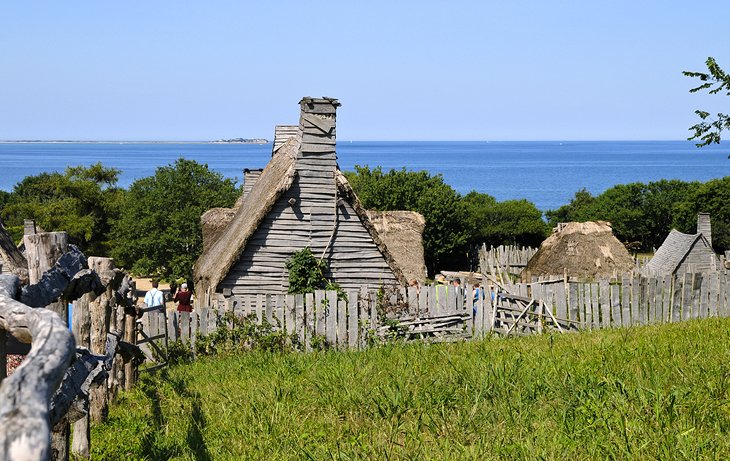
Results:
[236, 334]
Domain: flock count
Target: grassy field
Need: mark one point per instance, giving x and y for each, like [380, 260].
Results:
[641, 393]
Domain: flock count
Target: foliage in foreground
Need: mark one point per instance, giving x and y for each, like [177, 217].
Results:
[638, 393]
[715, 81]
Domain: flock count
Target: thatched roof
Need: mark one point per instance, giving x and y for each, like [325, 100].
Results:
[213, 223]
[276, 179]
[673, 252]
[587, 249]
[402, 232]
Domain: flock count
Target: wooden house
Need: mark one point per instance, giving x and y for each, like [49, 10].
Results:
[681, 253]
[299, 200]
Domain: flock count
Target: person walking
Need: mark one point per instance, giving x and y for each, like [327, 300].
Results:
[155, 297]
[183, 298]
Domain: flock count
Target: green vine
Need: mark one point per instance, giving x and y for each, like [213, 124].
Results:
[306, 274]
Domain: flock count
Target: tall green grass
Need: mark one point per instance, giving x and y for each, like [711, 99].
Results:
[640, 393]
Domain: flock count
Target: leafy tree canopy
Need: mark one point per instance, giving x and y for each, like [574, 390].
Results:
[715, 81]
[81, 202]
[645, 213]
[446, 231]
[158, 231]
[454, 224]
[512, 222]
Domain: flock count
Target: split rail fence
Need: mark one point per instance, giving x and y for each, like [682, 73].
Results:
[438, 313]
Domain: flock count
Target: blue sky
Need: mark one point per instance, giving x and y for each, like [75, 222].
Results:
[459, 70]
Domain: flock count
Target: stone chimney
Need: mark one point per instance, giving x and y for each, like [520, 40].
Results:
[704, 227]
[317, 125]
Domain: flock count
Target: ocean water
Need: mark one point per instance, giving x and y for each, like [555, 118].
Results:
[546, 173]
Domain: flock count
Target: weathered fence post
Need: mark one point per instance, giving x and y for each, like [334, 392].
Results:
[130, 336]
[81, 324]
[3, 355]
[100, 310]
[42, 251]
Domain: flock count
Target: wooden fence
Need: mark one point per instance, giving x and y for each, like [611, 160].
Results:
[438, 313]
[635, 300]
[511, 259]
[348, 322]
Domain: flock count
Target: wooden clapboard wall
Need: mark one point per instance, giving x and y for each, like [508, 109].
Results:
[311, 214]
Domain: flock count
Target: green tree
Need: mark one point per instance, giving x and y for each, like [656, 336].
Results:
[715, 80]
[512, 222]
[711, 197]
[638, 212]
[81, 202]
[158, 231]
[575, 211]
[446, 233]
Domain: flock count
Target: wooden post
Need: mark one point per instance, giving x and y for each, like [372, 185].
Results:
[60, 441]
[42, 251]
[13, 259]
[100, 309]
[81, 326]
[130, 336]
[118, 382]
[3, 355]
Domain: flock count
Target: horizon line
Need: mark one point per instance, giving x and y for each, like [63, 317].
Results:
[159, 141]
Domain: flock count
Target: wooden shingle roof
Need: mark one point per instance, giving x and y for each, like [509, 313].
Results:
[673, 251]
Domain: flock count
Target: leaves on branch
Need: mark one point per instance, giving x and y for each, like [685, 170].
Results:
[716, 81]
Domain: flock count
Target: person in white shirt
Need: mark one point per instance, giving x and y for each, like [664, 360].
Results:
[154, 297]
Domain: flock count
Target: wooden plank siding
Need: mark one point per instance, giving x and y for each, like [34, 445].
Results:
[310, 214]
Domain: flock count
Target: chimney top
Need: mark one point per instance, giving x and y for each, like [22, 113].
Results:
[704, 226]
[321, 105]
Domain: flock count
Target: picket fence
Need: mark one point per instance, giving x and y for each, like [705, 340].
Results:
[435, 312]
[511, 259]
[438, 313]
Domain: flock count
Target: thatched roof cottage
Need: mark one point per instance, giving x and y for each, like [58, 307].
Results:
[587, 249]
[299, 200]
[681, 253]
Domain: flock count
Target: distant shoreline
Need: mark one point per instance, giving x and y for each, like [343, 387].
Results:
[251, 141]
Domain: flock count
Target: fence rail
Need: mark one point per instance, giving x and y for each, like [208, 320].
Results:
[511, 259]
[439, 313]
[435, 312]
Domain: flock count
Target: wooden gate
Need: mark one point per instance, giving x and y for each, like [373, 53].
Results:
[152, 336]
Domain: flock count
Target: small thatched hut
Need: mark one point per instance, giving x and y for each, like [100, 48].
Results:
[299, 200]
[681, 253]
[587, 249]
[402, 232]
